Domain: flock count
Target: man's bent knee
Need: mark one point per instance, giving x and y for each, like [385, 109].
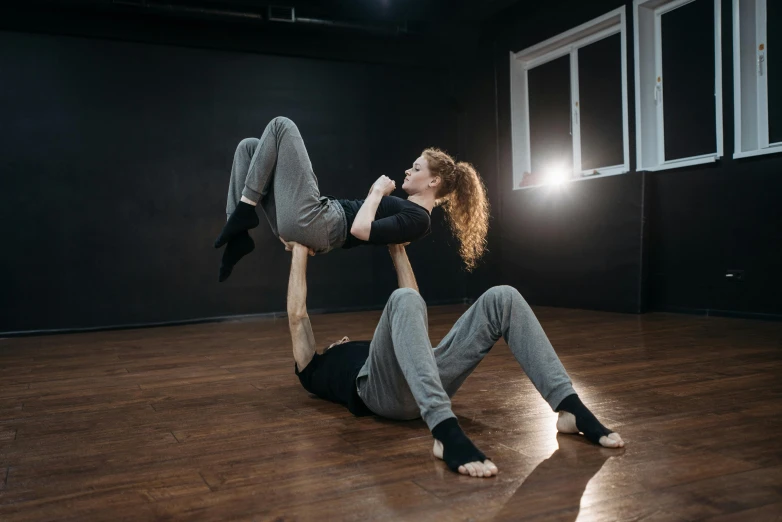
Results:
[504, 291]
[281, 122]
[406, 297]
[248, 145]
[505, 294]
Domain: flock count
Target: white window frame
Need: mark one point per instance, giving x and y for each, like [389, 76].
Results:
[567, 43]
[649, 92]
[750, 105]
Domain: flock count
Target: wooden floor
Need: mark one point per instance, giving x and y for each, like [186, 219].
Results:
[208, 422]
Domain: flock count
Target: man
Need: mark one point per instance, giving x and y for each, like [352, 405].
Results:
[398, 375]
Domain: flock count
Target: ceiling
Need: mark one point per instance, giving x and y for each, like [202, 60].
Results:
[428, 12]
[366, 30]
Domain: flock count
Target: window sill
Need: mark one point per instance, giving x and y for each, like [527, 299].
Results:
[760, 152]
[684, 162]
[604, 174]
[606, 171]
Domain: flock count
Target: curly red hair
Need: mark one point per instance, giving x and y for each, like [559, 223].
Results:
[462, 194]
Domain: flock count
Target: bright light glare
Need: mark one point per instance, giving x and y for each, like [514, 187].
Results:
[556, 175]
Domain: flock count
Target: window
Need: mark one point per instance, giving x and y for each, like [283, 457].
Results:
[757, 77]
[569, 115]
[678, 83]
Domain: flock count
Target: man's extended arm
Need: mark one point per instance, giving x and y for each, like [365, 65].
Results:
[404, 271]
[298, 320]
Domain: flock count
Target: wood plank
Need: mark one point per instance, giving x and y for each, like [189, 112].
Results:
[209, 422]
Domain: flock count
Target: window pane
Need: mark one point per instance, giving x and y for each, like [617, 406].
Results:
[688, 80]
[551, 144]
[774, 68]
[600, 97]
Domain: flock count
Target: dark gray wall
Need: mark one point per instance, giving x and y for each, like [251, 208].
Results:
[115, 159]
[634, 242]
[579, 245]
[705, 221]
[115, 156]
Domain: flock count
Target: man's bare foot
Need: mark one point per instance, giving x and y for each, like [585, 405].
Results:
[474, 469]
[566, 423]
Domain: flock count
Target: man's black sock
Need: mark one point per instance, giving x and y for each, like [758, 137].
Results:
[586, 422]
[238, 247]
[457, 448]
[242, 219]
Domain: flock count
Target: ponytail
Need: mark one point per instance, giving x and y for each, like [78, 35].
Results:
[463, 198]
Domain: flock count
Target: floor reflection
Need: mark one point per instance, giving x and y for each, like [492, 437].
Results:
[554, 489]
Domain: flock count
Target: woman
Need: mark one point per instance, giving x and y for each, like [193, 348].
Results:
[276, 172]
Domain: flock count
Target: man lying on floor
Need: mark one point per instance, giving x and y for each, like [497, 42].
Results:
[398, 375]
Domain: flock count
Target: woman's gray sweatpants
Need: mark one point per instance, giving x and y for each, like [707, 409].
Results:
[405, 378]
[275, 172]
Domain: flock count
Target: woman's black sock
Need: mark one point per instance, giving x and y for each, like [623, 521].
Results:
[457, 448]
[242, 219]
[586, 422]
[237, 248]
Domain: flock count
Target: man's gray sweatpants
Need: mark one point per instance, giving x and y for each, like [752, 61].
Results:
[405, 378]
[275, 172]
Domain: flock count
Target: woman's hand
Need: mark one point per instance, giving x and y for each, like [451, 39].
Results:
[362, 223]
[291, 246]
[383, 186]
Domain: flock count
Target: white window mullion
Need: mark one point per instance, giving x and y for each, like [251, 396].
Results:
[761, 69]
[670, 6]
[548, 57]
[527, 138]
[718, 74]
[737, 110]
[658, 87]
[575, 112]
[625, 103]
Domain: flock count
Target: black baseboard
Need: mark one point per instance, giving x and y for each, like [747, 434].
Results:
[219, 319]
[710, 312]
